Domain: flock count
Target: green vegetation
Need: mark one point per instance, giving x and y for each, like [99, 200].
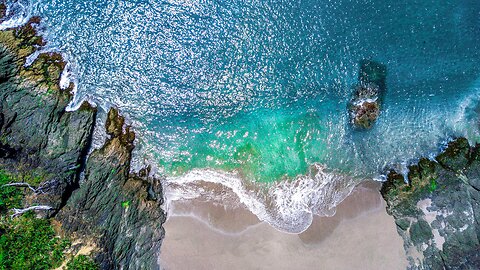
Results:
[30, 243]
[433, 185]
[126, 204]
[10, 197]
[34, 178]
[82, 262]
[27, 242]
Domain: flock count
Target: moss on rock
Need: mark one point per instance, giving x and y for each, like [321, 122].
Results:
[439, 198]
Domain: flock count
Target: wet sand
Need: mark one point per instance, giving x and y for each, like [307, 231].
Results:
[359, 236]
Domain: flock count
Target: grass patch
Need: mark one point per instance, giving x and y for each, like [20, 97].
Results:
[30, 243]
[433, 185]
[126, 204]
[27, 242]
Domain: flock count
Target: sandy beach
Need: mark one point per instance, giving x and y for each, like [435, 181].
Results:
[359, 236]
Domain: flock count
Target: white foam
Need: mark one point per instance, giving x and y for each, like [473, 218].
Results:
[288, 206]
[465, 120]
[18, 13]
[67, 75]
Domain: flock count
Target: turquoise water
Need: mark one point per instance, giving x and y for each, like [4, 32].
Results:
[260, 88]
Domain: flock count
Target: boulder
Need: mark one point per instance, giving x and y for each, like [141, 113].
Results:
[364, 107]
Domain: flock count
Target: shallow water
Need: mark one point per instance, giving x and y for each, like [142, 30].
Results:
[260, 88]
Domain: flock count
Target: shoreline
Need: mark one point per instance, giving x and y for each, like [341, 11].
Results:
[210, 239]
[360, 230]
[289, 206]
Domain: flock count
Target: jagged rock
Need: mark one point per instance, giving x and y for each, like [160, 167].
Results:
[119, 211]
[39, 139]
[437, 212]
[3, 12]
[456, 155]
[364, 107]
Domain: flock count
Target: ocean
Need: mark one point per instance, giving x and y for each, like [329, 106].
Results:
[251, 96]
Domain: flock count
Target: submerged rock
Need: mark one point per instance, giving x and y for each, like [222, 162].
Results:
[364, 107]
[437, 212]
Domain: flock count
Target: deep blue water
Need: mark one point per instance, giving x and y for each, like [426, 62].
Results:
[184, 71]
[261, 87]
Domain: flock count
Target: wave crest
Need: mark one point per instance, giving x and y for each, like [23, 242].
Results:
[287, 205]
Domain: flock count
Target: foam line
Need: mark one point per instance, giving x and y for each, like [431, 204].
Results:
[288, 206]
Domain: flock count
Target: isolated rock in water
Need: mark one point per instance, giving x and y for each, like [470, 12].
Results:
[364, 108]
[438, 212]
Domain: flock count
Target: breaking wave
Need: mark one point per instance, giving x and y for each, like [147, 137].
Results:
[224, 102]
[288, 206]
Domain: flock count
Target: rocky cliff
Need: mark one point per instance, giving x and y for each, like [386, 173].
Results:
[438, 212]
[39, 139]
[114, 212]
[124, 208]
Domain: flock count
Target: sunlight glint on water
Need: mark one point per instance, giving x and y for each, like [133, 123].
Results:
[260, 88]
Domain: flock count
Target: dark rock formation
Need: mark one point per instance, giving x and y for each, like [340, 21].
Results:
[113, 211]
[438, 212]
[126, 216]
[3, 11]
[364, 107]
[39, 139]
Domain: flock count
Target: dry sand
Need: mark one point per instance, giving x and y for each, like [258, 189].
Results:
[359, 236]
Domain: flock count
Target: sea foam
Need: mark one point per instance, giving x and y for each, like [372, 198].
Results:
[287, 205]
[18, 13]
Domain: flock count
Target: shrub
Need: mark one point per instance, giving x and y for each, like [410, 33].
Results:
[82, 262]
[30, 243]
[10, 197]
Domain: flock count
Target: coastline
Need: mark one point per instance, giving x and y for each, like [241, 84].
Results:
[87, 197]
[287, 205]
[360, 235]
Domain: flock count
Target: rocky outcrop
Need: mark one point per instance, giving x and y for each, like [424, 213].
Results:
[3, 12]
[364, 107]
[438, 212]
[124, 208]
[113, 211]
[40, 141]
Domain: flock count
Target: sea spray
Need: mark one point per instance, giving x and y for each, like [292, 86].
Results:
[18, 13]
[281, 77]
[287, 205]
